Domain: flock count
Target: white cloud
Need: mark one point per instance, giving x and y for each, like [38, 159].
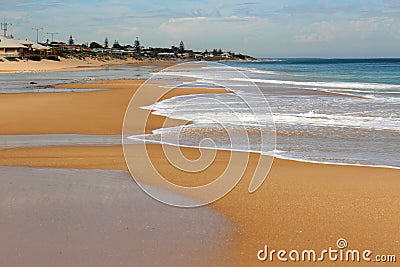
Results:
[363, 29]
[311, 38]
[210, 19]
[245, 34]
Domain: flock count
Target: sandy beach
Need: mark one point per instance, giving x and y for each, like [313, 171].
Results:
[50, 65]
[70, 64]
[65, 64]
[299, 206]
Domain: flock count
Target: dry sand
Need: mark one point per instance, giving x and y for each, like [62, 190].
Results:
[50, 65]
[70, 64]
[99, 112]
[299, 206]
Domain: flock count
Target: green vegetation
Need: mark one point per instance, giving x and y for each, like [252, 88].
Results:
[118, 51]
[35, 57]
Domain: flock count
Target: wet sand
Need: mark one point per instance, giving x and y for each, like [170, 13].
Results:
[42, 140]
[299, 206]
[55, 217]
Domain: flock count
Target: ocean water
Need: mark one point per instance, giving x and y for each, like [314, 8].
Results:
[344, 111]
[322, 110]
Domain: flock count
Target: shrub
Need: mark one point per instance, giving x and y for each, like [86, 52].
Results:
[35, 57]
[53, 57]
[12, 58]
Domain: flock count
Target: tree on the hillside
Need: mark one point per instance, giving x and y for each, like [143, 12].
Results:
[106, 43]
[71, 41]
[137, 45]
[95, 45]
[181, 47]
[116, 45]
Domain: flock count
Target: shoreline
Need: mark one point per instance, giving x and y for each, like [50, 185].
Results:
[13, 160]
[283, 157]
[110, 140]
[73, 64]
[300, 205]
[130, 86]
[22, 149]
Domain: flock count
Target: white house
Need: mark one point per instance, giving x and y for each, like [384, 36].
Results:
[10, 47]
[166, 54]
[32, 46]
[226, 55]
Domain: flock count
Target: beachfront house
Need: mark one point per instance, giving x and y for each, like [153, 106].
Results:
[198, 56]
[226, 55]
[188, 54]
[10, 48]
[33, 49]
[166, 54]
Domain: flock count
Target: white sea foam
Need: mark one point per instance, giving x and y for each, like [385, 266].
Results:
[335, 163]
[352, 85]
[276, 153]
[258, 71]
[316, 117]
[311, 118]
[204, 111]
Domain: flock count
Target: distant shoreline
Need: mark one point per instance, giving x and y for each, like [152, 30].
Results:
[70, 64]
[75, 64]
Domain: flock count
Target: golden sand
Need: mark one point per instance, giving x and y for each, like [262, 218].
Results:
[299, 206]
[99, 112]
[71, 64]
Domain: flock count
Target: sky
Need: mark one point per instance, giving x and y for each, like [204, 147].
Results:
[269, 28]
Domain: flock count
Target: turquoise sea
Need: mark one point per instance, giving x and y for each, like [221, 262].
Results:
[344, 111]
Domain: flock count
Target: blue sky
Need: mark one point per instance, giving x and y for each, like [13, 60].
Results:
[287, 28]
